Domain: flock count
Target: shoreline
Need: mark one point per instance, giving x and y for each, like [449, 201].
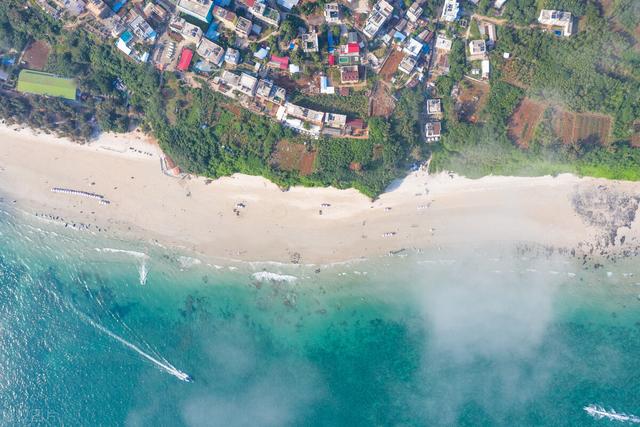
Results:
[249, 219]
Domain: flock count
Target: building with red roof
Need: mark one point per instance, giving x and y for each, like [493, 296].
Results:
[185, 59]
[332, 59]
[281, 62]
[353, 48]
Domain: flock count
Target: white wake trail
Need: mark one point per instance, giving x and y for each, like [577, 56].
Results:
[164, 365]
[169, 368]
[598, 412]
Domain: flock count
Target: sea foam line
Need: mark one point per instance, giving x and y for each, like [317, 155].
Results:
[143, 271]
[598, 412]
[263, 276]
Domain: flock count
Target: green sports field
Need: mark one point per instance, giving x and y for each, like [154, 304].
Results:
[40, 83]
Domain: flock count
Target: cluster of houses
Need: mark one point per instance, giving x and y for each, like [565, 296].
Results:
[157, 32]
[264, 97]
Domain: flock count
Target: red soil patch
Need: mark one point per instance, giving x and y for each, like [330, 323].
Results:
[471, 99]
[290, 156]
[382, 103]
[291, 85]
[37, 55]
[391, 65]
[524, 121]
[307, 163]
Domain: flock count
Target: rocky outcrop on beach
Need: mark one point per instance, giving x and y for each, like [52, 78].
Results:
[606, 209]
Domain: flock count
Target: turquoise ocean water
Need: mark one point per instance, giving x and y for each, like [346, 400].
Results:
[92, 331]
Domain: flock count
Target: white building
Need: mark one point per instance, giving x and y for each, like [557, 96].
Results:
[499, 3]
[332, 13]
[407, 65]
[557, 18]
[443, 43]
[191, 33]
[432, 131]
[450, 10]
[413, 47]
[414, 12]
[477, 49]
[265, 13]
[379, 16]
[209, 51]
[200, 9]
[310, 42]
[232, 56]
[434, 107]
[485, 69]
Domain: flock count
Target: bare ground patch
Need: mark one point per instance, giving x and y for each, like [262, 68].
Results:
[524, 121]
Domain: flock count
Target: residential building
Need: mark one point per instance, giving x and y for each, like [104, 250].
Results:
[230, 79]
[281, 62]
[305, 114]
[414, 12]
[349, 74]
[324, 86]
[443, 43]
[247, 85]
[310, 42]
[210, 51]
[489, 30]
[332, 13]
[98, 8]
[434, 107]
[337, 121]
[477, 49]
[407, 64]
[226, 17]
[287, 4]
[432, 131]
[140, 27]
[267, 91]
[265, 13]
[557, 18]
[379, 16]
[191, 33]
[155, 12]
[123, 42]
[485, 69]
[450, 10]
[243, 27]
[199, 9]
[232, 56]
[349, 54]
[413, 47]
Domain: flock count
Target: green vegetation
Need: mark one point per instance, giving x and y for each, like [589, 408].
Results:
[39, 83]
[585, 72]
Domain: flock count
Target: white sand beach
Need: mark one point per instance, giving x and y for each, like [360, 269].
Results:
[269, 224]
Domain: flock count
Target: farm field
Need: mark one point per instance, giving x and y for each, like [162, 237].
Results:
[582, 127]
[524, 121]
